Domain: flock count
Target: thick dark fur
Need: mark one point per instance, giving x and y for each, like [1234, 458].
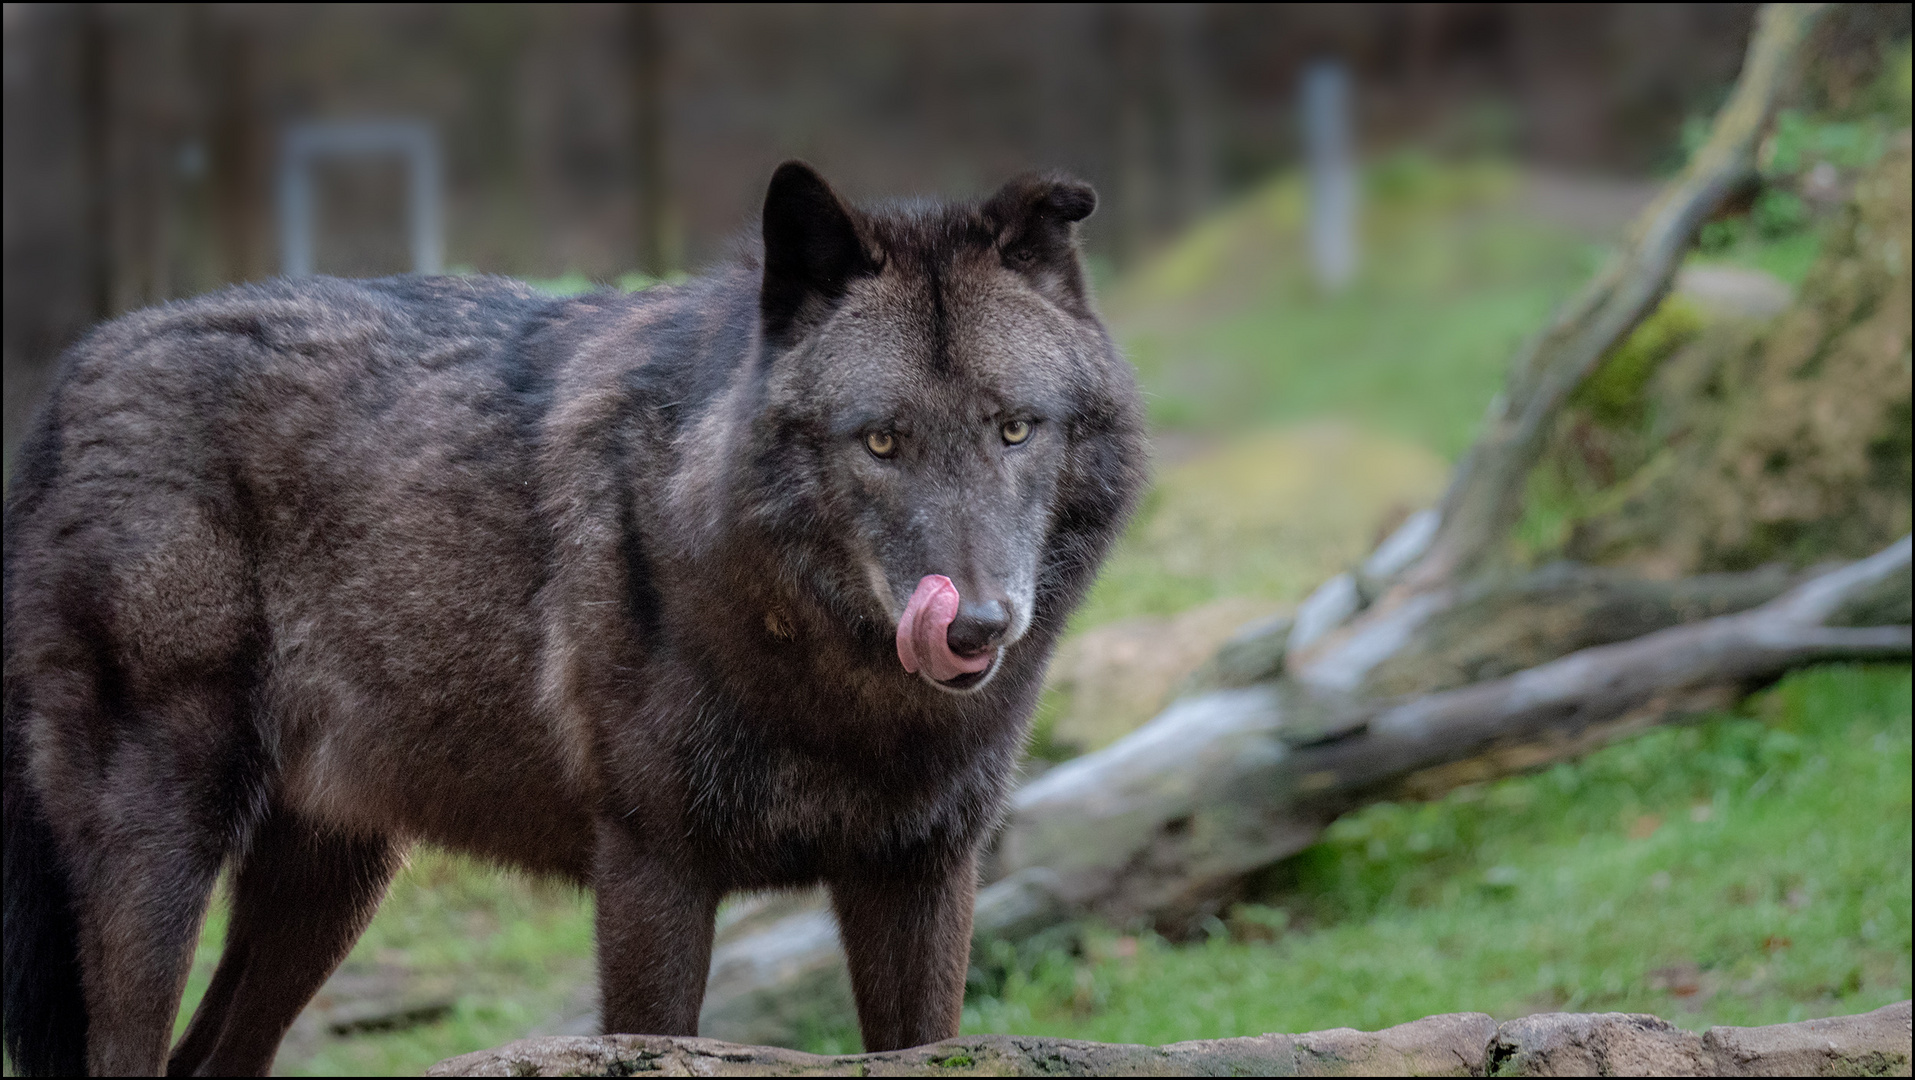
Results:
[606, 588]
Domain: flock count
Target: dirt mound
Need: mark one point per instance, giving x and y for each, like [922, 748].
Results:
[1712, 441]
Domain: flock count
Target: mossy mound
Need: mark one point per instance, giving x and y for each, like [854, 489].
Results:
[1720, 443]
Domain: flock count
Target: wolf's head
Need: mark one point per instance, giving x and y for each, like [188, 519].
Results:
[947, 440]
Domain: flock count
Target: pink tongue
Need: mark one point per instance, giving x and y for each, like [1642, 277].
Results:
[921, 632]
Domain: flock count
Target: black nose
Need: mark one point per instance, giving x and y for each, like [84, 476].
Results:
[979, 625]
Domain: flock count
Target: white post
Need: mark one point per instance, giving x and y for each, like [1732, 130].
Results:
[1330, 153]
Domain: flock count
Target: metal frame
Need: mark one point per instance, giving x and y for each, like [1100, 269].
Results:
[412, 140]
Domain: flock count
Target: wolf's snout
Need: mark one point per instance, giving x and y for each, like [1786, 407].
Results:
[980, 625]
[933, 627]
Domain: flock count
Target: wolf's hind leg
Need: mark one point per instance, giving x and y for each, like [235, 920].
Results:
[301, 898]
[142, 880]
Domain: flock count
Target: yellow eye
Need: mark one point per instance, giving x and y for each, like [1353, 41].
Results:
[881, 443]
[1017, 431]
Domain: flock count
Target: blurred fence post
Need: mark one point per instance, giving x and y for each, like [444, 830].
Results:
[412, 140]
[1329, 149]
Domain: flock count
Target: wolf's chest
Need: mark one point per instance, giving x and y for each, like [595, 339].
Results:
[787, 807]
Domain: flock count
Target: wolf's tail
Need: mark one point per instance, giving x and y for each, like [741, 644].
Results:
[45, 1012]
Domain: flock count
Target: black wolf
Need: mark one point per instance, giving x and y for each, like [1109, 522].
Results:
[739, 584]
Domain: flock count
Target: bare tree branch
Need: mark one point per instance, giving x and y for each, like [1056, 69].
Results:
[1485, 496]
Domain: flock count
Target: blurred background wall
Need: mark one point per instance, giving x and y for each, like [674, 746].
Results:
[142, 140]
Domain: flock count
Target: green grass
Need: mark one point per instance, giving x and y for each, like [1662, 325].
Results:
[573, 283]
[513, 954]
[1267, 515]
[1229, 330]
[1326, 416]
[1752, 868]
[1789, 254]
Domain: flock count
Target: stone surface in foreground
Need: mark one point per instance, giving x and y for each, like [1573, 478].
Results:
[1457, 1044]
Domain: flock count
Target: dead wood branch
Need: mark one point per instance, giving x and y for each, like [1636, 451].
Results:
[1162, 823]
[1497, 625]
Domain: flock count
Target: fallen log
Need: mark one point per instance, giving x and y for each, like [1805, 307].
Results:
[1455, 1044]
[1160, 826]
[1495, 626]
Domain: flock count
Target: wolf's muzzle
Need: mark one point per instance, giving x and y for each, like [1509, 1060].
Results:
[951, 642]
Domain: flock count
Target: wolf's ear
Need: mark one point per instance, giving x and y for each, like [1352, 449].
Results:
[812, 250]
[1033, 215]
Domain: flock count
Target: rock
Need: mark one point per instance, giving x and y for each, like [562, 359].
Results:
[1733, 291]
[1872, 1044]
[1594, 1044]
[984, 1055]
[1452, 1044]
[1435, 1046]
[1458, 1044]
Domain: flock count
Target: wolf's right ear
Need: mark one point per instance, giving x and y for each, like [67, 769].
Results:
[1033, 215]
[812, 250]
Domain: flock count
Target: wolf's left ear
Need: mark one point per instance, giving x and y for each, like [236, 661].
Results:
[1033, 215]
[812, 250]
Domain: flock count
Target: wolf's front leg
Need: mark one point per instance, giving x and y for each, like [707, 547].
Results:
[907, 935]
[655, 917]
